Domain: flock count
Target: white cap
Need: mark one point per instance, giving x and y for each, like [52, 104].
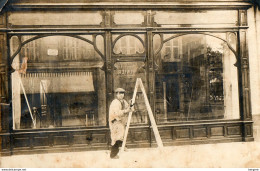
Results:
[120, 90]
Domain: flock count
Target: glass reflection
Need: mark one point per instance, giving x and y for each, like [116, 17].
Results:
[63, 86]
[196, 80]
[125, 75]
[128, 45]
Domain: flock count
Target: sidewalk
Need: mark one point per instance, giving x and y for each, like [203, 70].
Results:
[237, 154]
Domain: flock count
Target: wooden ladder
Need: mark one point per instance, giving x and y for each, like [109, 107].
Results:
[150, 113]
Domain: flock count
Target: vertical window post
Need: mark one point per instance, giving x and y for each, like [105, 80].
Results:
[244, 86]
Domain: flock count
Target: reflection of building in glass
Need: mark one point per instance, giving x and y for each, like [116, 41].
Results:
[190, 83]
[63, 97]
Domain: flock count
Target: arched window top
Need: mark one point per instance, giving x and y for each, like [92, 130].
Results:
[171, 47]
[42, 48]
[128, 45]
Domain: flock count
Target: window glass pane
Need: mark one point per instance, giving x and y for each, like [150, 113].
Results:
[125, 76]
[55, 94]
[128, 45]
[123, 41]
[176, 53]
[197, 18]
[198, 81]
[60, 48]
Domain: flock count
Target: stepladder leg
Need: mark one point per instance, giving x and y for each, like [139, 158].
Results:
[150, 114]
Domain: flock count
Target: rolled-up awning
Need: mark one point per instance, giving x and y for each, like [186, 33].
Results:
[64, 82]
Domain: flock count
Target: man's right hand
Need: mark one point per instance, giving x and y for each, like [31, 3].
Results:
[129, 109]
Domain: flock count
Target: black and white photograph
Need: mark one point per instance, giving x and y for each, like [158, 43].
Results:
[130, 84]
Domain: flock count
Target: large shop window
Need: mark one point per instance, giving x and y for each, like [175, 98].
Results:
[64, 85]
[196, 78]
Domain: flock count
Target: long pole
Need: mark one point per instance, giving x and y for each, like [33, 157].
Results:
[190, 102]
[34, 124]
[164, 101]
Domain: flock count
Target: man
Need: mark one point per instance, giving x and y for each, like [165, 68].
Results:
[118, 112]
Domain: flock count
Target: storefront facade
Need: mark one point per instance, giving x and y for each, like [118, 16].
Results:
[192, 58]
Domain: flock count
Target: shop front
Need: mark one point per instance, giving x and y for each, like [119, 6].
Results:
[61, 62]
